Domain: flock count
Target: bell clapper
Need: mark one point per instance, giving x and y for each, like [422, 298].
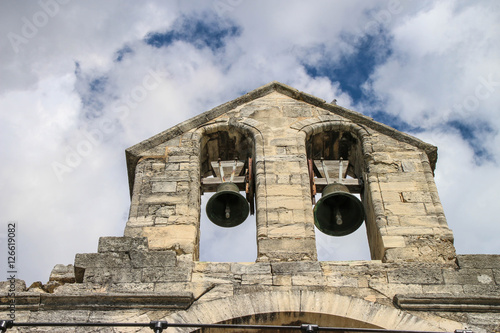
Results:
[338, 216]
[228, 211]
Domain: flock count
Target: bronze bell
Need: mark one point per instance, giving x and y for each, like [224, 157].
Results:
[338, 212]
[227, 207]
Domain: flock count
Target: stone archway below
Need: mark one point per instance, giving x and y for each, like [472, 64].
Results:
[294, 307]
[289, 319]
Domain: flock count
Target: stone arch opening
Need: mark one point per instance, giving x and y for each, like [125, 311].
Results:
[224, 142]
[336, 144]
[289, 318]
[320, 307]
[331, 142]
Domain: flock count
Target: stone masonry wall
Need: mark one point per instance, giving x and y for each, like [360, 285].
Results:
[165, 204]
[410, 221]
[124, 282]
[405, 219]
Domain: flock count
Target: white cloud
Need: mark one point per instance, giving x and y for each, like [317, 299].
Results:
[439, 58]
[468, 192]
[443, 69]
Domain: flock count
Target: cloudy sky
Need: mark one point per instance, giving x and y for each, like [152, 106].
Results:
[80, 81]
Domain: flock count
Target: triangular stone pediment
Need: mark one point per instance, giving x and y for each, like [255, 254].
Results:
[260, 95]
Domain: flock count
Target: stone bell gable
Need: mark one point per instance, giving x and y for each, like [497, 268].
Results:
[281, 149]
[280, 129]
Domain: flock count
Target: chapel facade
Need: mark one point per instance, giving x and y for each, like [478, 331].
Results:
[279, 149]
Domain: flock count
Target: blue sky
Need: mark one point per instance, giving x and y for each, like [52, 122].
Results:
[82, 81]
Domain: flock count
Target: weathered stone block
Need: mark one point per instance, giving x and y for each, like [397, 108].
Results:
[418, 275]
[482, 289]
[282, 280]
[279, 190]
[36, 287]
[212, 278]
[496, 275]
[402, 186]
[484, 320]
[282, 179]
[165, 287]
[285, 249]
[391, 289]
[51, 286]
[279, 230]
[165, 274]
[408, 231]
[172, 166]
[158, 167]
[152, 258]
[468, 276]
[260, 279]
[179, 238]
[308, 279]
[403, 177]
[251, 268]
[293, 268]
[17, 285]
[409, 165]
[105, 275]
[424, 221]
[282, 201]
[448, 289]
[171, 176]
[161, 198]
[63, 274]
[131, 287]
[212, 267]
[62, 316]
[416, 197]
[401, 208]
[392, 196]
[401, 254]
[104, 260]
[140, 221]
[393, 241]
[178, 158]
[339, 280]
[163, 187]
[479, 261]
[162, 220]
[295, 111]
[121, 244]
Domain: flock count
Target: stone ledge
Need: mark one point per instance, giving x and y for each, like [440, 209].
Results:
[122, 244]
[99, 302]
[24, 301]
[478, 261]
[440, 302]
